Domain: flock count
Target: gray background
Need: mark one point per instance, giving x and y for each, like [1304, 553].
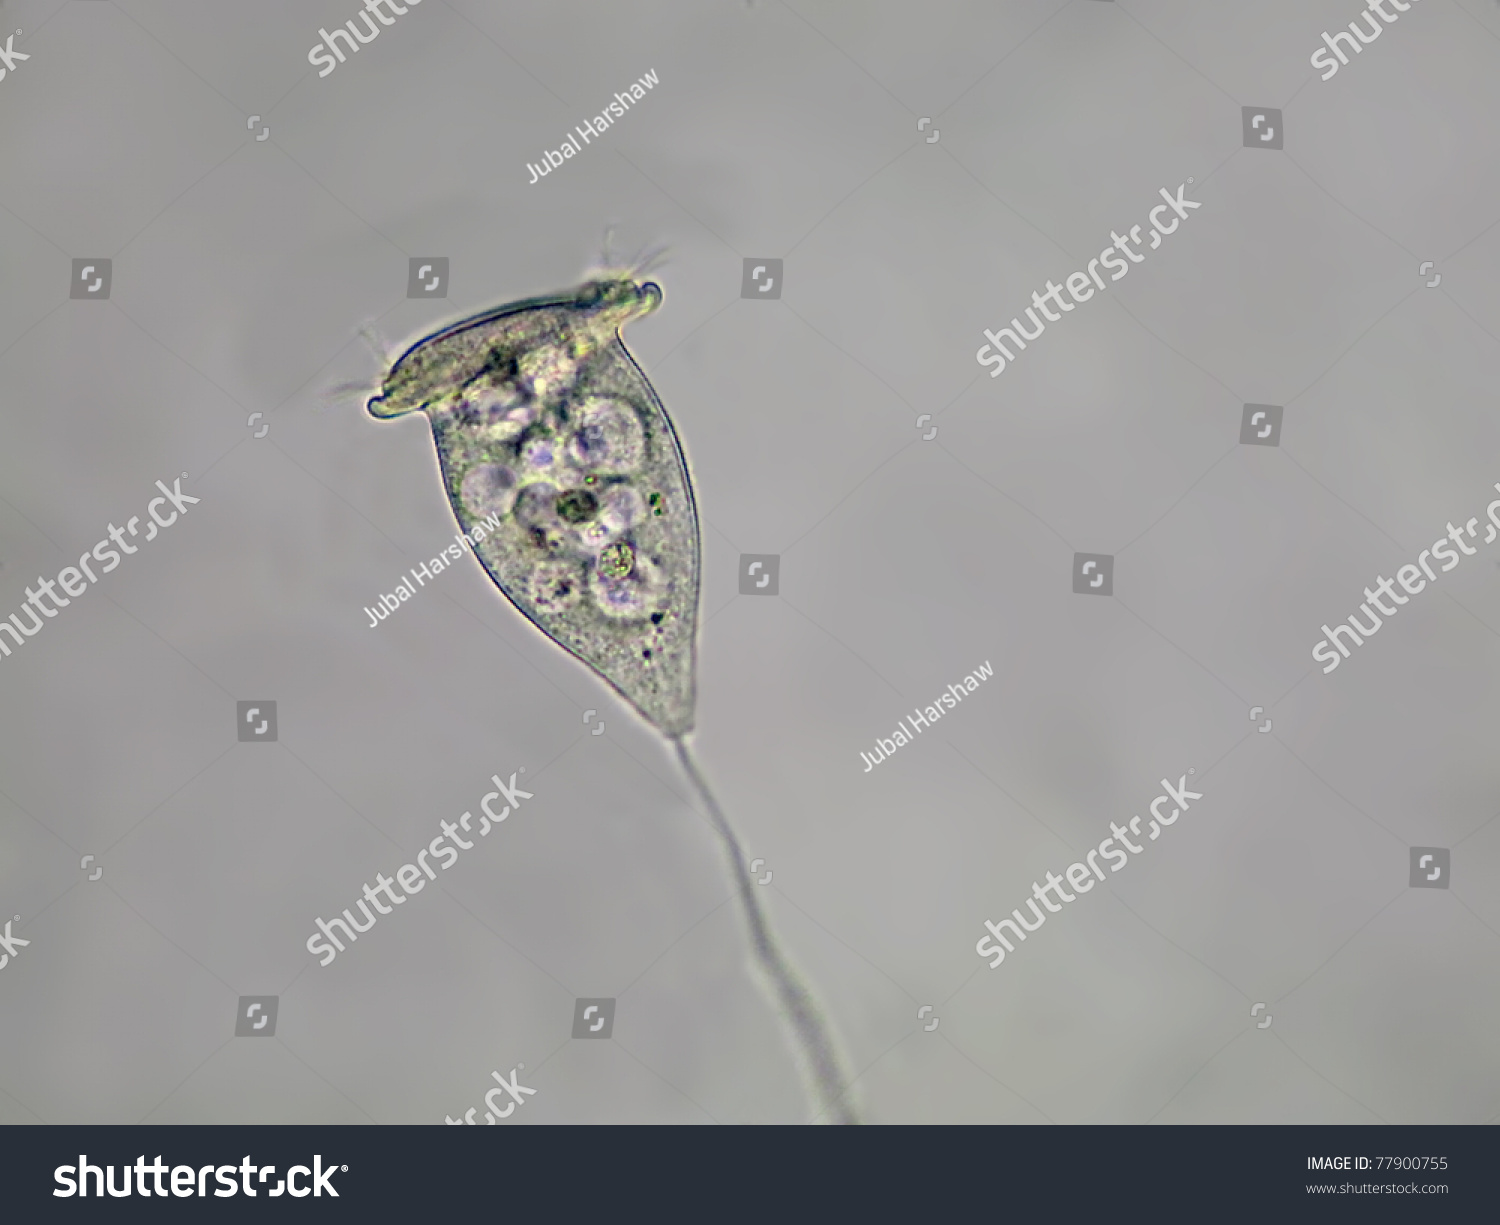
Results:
[242, 273]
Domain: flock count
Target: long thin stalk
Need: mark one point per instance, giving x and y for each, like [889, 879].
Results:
[812, 1035]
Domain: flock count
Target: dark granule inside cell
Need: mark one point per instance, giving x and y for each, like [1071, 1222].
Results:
[577, 505]
[503, 362]
[656, 618]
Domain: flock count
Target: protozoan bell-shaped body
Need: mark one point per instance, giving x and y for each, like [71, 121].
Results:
[544, 423]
